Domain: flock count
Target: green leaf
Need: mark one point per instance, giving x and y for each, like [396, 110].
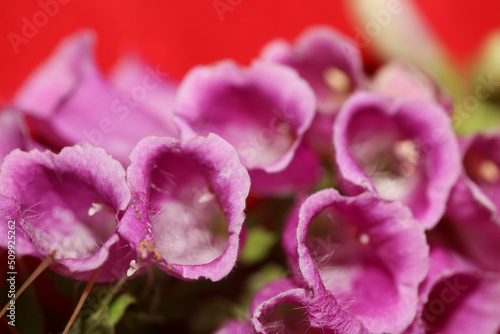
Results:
[118, 307]
[259, 243]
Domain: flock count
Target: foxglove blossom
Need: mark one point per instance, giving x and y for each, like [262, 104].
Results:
[473, 206]
[479, 184]
[402, 150]
[360, 259]
[187, 208]
[456, 296]
[331, 64]
[263, 111]
[69, 203]
[68, 101]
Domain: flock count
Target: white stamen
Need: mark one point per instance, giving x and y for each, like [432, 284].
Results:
[96, 207]
[133, 268]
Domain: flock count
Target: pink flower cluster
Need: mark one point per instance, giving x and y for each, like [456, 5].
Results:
[135, 170]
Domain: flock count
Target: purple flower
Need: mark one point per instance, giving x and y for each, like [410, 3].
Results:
[68, 101]
[68, 203]
[403, 81]
[132, 76]
[473, 207]
[263, 111]
[331, 64]
[187, 209]
[402, 150]
[479, 183]
[457, 297]
[360, 259]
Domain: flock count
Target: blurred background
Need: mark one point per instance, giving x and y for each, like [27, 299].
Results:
[180, 34]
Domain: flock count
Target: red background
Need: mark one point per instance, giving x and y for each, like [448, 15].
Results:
[178, 34]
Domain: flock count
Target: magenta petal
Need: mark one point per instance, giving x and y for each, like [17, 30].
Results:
[289, 239]
[131, 75]
[363, 258]
[472, 209]
[68, 203]
[481, 160]
[263, 110]
[475, 225]
[188, 201]
[331, 64]
[68, 101]
[316, 51]
[402, 150]
[457, 297]
[282, 307]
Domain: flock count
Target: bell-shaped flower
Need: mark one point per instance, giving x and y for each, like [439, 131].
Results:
[331, 64]
[187, 207]
[456, 296]
[403, 150]
[360, 259]
[68, 101]
[479, 184]
[263, 111]
[69, 203]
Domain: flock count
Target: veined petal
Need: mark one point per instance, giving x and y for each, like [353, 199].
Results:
[363, 258]
[403, 150]
[188, 201]
[263, 110]
[68, 203]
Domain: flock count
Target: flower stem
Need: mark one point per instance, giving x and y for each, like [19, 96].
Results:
[84, 296]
